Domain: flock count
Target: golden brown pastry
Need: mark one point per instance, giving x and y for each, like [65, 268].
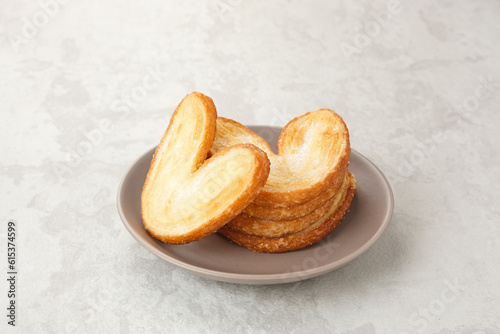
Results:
[294, 211]
[309, 188]
[274, 228]
[293, 241]
[314, 153]
[186, 198]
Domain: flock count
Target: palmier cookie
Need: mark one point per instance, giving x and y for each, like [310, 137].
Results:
[313, 155]
[186, 198]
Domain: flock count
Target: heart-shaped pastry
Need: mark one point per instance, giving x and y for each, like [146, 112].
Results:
[187, 197]
[309, 188]
[313, 156]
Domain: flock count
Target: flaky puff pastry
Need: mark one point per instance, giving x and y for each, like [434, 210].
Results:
[293, 241]
[313, 156]
[275, 228]
[186, 198]
[292, 212]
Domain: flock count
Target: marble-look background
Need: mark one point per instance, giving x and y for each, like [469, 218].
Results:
[88, 86]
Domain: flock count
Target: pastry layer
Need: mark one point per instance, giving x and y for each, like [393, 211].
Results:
[294, 211]
[313, 234]
[275, 228]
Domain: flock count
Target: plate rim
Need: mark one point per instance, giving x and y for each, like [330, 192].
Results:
[259, 279]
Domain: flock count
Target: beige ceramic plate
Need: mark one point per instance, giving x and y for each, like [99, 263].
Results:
[216, 258]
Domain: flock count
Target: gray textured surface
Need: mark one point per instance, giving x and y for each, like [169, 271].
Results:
[90, 86]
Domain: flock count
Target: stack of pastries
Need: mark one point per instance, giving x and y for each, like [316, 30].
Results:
[263, 201]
